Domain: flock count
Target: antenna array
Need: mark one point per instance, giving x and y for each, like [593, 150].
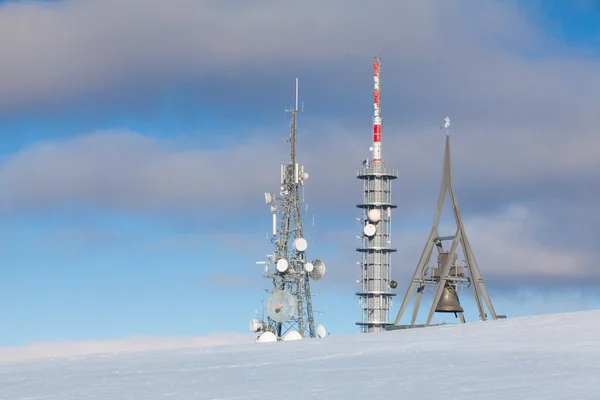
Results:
[289, 307]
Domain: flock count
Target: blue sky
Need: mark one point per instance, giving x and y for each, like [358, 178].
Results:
[136, 144]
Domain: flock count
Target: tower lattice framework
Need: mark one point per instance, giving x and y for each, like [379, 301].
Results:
[290, 305]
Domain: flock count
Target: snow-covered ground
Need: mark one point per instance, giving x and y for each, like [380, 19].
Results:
[544, 357]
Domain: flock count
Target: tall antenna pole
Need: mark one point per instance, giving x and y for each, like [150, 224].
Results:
[376, 113]
[375, 286]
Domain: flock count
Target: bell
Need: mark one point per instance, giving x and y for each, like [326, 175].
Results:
[449, 301]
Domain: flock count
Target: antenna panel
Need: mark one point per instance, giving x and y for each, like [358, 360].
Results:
[374, 215]
[321, 332]
[282, 265]
[292, 335]
[300, 244]
[309, 267]
[268, 198]
[255, 325]
[266, 337]
[369, 230]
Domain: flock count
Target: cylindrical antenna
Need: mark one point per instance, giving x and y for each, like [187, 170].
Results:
[376, 114]
[296, 93]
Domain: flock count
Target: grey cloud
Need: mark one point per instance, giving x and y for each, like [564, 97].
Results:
[129, 171]
[78, 49]
[522, 106]
[509, 251]
[518, 238]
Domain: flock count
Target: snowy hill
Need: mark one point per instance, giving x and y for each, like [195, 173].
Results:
[544, 357]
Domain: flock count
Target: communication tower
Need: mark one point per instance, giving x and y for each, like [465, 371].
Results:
[375, 286]
[289, 311]
[447, 277]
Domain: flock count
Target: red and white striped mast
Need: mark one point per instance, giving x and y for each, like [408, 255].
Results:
[376, 113]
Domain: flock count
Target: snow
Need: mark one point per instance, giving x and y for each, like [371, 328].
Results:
[543, 357]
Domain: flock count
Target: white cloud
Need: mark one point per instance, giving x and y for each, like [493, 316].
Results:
[126, 170]
[507, 245]
[67, 348]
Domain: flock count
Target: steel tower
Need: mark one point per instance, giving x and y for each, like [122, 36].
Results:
[376, 222]
[289, 307]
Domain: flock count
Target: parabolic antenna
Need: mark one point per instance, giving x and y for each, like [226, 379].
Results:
[266, 337]
[321, 332]
[318, 269]
[374, 215]
[281, 306]
[369, 230]
[282, 265]
[268, 198]
[292, 335]
[300, 244]
[309, 267]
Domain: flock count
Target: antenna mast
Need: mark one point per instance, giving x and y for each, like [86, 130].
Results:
[289, 308]
[375, 219]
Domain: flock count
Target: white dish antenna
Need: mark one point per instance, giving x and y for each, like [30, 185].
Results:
[374, 215]
[309, 267]
[292, 335]
[321, 332]
[281, 306]
[318, 269]
[266, 337]
[370, 230]
[300, 244]
[268, 198]
[282, 265]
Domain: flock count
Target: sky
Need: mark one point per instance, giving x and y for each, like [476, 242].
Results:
[137, 139]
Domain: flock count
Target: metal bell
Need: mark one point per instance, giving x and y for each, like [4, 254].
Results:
[449, 302]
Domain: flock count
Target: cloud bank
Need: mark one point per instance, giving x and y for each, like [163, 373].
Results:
[67, 348]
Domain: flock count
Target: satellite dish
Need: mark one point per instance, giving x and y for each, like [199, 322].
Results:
[268, 198]
[369, 230]
[300, 244]
[318, 269]
[282, 265]
[309, 267]
[292, 335]
[321, 332]
[374, 215]
[266, 337]
[393, 284]
[281, 306]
